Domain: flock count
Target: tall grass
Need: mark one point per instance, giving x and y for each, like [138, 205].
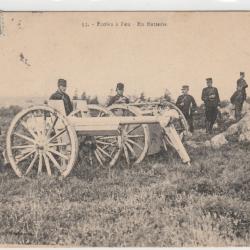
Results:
[160, 202]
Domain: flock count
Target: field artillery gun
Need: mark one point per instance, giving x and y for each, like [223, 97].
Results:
[42, 138]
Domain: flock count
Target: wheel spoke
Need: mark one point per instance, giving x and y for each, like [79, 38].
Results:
[135, 143]
[58, 144]
[59, 154]
[106, 137]
[23, 146]
[25, 137]
[100, 114]
[52, 127]
[135, 136]
[104, 152]
[32, 164]
[40, 164]
[133, 129]
[106, 146]
[26, 156]
[100, 154]
[24, 152]
[25, 125]
[98, 157]
[113, 150]
[52, 158]
[46, 160]
[126, 154]
[57, 135]
[105, 143]
[125, 127]
[131, 149]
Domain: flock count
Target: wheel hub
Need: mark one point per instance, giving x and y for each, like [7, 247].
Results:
[42, 145]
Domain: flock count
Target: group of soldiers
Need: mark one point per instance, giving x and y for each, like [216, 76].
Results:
[185, 102]
[211, 99]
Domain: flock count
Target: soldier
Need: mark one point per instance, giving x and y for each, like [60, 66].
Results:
[237, 99]
[241, 83]
[60, 94]
[187, 105]
[119, 97]
[211, 98]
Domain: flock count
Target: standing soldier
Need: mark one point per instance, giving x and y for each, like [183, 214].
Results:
[119, 98]
[187, 105]
[237, 99]
[211, 98]
[241, 83]
[60, 94]
[239, 95]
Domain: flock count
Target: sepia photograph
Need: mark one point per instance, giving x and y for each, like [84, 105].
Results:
[125, 128]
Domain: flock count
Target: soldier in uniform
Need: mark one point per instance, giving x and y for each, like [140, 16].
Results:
[119, 98]
[210, 97]
[237, 99]
[60, 94]
[241, 83]
[239, 95]
[187, 105]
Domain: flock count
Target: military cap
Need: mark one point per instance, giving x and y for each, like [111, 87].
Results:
[120, 85]
[242, 73]
[185, 87]
[209, 79]
[62, 82]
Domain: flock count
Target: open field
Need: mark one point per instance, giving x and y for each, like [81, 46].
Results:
[160, 202]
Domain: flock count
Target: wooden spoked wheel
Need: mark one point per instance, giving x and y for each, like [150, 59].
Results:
[135, 137]
[39, 140]
[99, 150]
[179, 123]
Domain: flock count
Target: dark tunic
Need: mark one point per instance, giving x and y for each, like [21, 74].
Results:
[118, 99]
[58, 95]
[243, 85]
[186, 104]
[210, 96]
[237, 99]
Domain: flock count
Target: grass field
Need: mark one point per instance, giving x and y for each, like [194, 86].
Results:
[160, 202]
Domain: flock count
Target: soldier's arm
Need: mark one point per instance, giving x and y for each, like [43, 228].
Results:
[217, 96]
[178, 101]
[70, 104]
[194, 105]
[232, 99]
[127, 100]
[55, 97]
[246, 85]
[203, 95]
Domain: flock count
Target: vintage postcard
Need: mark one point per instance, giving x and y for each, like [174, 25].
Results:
[125, 129]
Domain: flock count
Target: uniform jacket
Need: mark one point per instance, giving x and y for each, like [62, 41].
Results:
[186, 104]
[210, 97]
[243, 85]
[58, 95]
[118, 99]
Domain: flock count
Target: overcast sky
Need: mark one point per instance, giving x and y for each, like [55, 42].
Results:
[38, 48]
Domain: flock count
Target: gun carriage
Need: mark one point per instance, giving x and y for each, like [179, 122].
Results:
[43, 139]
